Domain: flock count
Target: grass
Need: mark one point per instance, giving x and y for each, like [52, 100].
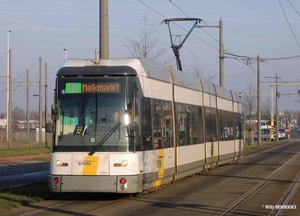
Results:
[25, 195]
[255, 145]
[24, 152]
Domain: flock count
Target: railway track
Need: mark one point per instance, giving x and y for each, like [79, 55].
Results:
[227, 190]
[283, 203]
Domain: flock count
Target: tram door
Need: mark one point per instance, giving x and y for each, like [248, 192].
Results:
[211, 135]
[162, 128]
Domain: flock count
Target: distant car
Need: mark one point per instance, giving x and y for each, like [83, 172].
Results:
[264, 135]
[281, 133]
[287, 130]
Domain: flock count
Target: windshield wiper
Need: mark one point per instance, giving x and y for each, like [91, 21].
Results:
[104, 138]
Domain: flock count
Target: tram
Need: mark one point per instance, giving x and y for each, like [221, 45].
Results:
[131, 125]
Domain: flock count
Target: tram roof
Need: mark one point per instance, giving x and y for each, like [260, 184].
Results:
[142, 67]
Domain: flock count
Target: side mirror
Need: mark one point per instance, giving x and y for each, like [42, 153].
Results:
[49, 127]
[54, 112]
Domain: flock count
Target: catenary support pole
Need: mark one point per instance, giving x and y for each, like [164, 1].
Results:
[27, 106]
[103, 30]
[258, 102]
[10, 101]
[40, 103]
[221, 48]
[46, 101]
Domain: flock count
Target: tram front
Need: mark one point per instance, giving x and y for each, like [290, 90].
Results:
[94, 135]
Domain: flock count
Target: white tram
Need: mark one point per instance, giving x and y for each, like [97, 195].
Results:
[129, 125]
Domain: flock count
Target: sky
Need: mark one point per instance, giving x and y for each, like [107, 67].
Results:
[42, 28]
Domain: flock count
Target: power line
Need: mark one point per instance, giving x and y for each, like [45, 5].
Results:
[242, 58]
[289, 23]
[152, 9]
[202, 29]
[266, 59]
[270, 76]
[178, 8]
[178, 25]
[20, 80]
[293, 7]
[226, 52]
[1, 57]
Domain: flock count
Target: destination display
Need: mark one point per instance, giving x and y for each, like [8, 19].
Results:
[77, 88]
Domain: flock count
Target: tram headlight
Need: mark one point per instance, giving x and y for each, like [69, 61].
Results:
[58, 163]
[124, 163]
[126, 119]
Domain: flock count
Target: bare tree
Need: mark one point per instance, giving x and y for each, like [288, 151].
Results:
[2, 115]
[34, 115]
[266, 112]
[198, 71]
[18, 114]
[248, 102]
[146, 44]
[287, 118]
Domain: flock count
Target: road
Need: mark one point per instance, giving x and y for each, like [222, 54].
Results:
[262, 182]
[23, 172]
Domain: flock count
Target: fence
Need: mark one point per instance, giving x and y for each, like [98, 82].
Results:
[20, 139]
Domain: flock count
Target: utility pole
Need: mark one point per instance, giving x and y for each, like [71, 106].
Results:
[40, 103]
[8, 121]
[272, 115]
[258, 102]
[276, 105]
[66, 53]
[46, 99]
[10, 101]
[27, 105]
[103, 29]
[221, 50]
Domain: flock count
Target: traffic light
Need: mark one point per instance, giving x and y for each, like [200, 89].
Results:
[270, 122]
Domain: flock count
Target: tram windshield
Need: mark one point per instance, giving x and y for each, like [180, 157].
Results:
[92, 114]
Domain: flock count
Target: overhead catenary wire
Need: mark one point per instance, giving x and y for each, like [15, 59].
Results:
[201, 28]
[278, 68]
[293, 7]
[177, 24]
[289, 24]
[231, 53]
[242, 58]
[20, 80]
[1, 57]
[283, 88]
[248, 59]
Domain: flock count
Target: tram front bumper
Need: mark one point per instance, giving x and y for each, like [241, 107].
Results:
[102, 184]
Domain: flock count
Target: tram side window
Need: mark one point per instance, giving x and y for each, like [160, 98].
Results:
[146, 130]
[238, 125]
[162, 124]
[226, 125]
[211, 124]
[182, 117]
[189, 121]
[199, 123]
